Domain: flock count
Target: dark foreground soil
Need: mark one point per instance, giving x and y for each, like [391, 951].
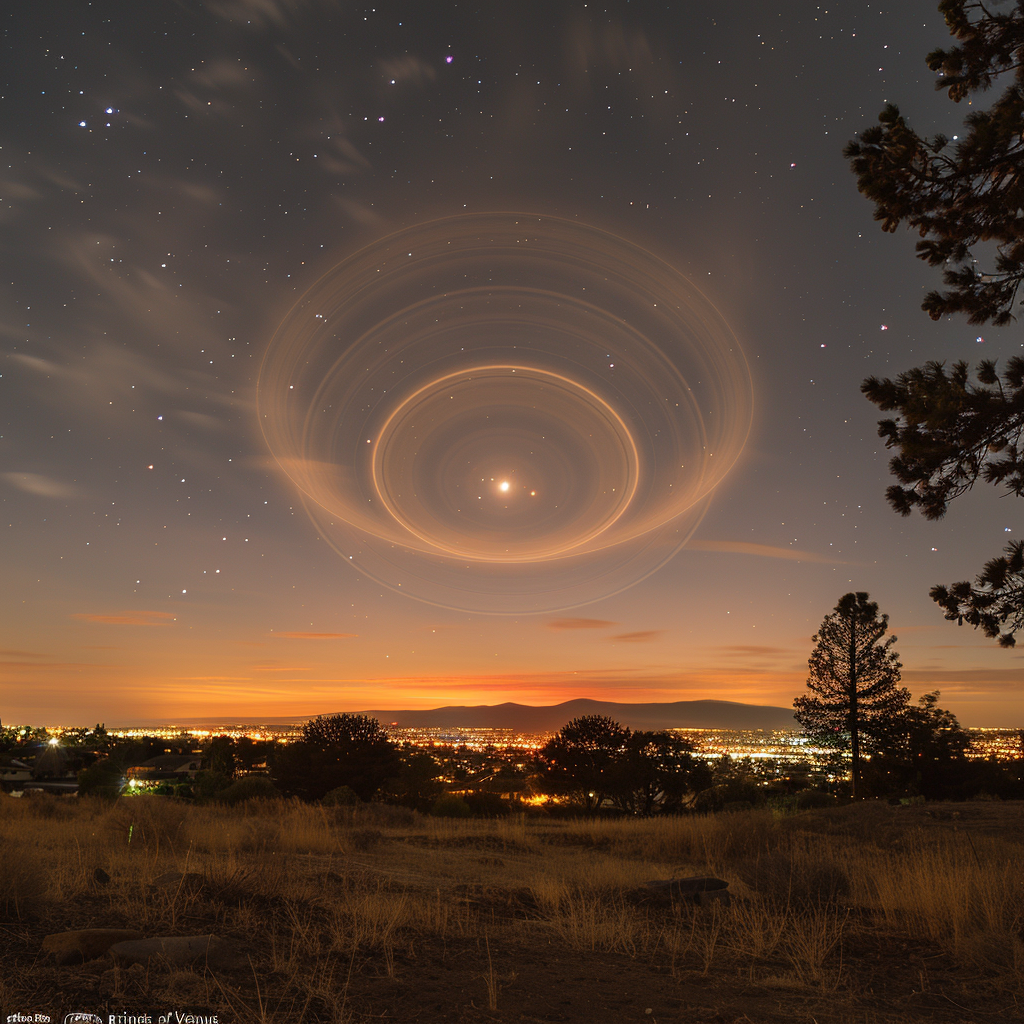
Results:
[507, 958]
[466, 980]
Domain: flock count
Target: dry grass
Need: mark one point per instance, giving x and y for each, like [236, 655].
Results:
[863, 913]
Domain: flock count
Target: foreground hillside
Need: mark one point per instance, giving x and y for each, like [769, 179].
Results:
[866, 913]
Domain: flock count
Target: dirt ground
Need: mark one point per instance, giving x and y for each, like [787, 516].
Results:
[452, 923]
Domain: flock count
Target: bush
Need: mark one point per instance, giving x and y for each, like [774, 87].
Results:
[450, 806]
[808, 799]
[208, 784]
[365, 838]
[22, 882]
[804, 800]
[341, 796]
[336, 750]
[102, 778]
[249, 787]
[384, 815]
[795, 877]
[486, 805]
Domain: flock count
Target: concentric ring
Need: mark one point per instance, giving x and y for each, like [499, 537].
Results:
[520, 408]
[504, 412]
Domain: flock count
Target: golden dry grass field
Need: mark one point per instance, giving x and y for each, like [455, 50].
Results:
[850, 915]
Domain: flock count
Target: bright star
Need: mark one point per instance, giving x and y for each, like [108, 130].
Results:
[503, 486]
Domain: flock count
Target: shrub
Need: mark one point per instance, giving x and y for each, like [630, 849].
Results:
[208, 784]
[153, 822]
[365, 838]
[734, 795]
[22, 882]
[450, 806]
[811, 798]
[486, 805]
[795, 876]
[102, 778]
[341, 796]
[336, 750]
[384, 815]
[249, 787]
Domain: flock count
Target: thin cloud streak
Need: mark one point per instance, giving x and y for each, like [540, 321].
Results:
[742, 547]
[570, 623]
[313, 636]
[41, 486]
[126, 618]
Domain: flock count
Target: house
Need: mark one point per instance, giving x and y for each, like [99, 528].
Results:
[167, 768]
[13, 773]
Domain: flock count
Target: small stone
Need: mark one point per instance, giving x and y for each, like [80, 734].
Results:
[188, 881]
[87, 944]
[100, 877]
[182, 950]
[686, 888]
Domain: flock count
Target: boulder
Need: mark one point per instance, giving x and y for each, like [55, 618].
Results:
[701, 890]
[87, 944]
[686, 887]
[181, 951]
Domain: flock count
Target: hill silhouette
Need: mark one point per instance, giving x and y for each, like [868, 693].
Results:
[682, 714]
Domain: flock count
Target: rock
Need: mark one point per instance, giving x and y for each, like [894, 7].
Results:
[187, 881]
[182, 950]
[87, 944]
[100, 877]
[701, 891]
[686, 888]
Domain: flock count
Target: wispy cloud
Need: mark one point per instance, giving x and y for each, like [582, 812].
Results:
[407, 68]
[41, 486]
[277, 666]
[641, 636]
[560, 624]
[259, 15]
[126, 618]
[314, 636]
[963, 682]
[742, 547]
[753, 650]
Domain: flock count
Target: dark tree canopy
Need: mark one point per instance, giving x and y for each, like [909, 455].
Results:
[658, 768]
[926, 732]
[337, 750]
[854, 699]
[995, 603]
[949, 433]
[580, 757]
[343, 731]
[923, 753]
[594, 759]
[968, 193]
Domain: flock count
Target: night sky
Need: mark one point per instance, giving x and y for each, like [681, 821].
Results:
[334, 373]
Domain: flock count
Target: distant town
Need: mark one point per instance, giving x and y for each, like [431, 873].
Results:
[175, 758]
[783, 746]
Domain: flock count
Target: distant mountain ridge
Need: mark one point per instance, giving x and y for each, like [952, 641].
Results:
[528, 718]
[681, 714]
